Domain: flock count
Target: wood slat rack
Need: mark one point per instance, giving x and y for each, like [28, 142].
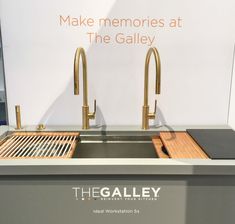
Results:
[38, 145]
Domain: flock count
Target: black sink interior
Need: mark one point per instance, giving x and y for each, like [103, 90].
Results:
[217, 143]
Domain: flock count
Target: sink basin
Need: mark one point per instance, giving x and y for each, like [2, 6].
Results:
[103, 146]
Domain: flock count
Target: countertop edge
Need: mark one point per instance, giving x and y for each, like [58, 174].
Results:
[160, 168]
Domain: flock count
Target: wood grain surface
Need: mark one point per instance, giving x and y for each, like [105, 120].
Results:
[158, 146]
[180, 145]
[38, 145]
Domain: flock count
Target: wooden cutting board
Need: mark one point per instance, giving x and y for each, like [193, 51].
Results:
[180, 145]
[158, 147]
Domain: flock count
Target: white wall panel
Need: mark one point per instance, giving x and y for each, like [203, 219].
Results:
[231, 119]
[196, 61]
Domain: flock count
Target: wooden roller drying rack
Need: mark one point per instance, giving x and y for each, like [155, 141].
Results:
[177, 145]
[37, 145]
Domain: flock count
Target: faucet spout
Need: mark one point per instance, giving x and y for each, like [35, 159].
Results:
[145, 114]
[86, 115]
[80, 53]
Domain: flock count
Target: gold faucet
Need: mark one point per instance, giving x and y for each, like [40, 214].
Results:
[86, 115]
[18, 117]
[146, 114]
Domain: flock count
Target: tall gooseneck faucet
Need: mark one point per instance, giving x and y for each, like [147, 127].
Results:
[146, 115]
[86, 115]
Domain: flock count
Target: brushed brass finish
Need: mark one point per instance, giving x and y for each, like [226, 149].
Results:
[146, 115]
[86, 115]
[41, 127]
[18, 117]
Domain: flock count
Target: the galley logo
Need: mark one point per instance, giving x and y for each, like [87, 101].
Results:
[114, 193]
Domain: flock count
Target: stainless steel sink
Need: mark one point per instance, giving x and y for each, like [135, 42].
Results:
[115, 146]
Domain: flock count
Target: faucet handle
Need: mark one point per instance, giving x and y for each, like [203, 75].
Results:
[92, 115]
[155, 107]
[94, 107]
[152, 115]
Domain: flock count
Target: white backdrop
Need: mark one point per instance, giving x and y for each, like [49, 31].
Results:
[196, 61]
[232, 99]
[1, 71]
